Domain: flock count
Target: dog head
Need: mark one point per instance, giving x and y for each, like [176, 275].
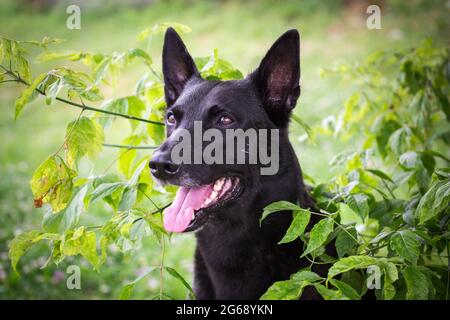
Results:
[261, 101]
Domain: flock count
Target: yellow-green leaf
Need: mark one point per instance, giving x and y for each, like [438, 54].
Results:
[83, 137]
[24, 241]
[27, 95]
[52, 183]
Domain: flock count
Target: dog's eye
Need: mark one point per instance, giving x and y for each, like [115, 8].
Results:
[171, 118]
[225, 120]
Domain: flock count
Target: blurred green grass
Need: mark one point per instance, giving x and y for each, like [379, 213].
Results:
[242, 31]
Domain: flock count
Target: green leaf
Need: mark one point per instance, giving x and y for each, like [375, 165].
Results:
[399, 141]
[410, 160]
[83, 137]
[350, 263]
[128, 198]
[24, 241]
[345, 241]
[20, 244]
[156, 133]
[385, 128]
[104, 190]
[126, 291]
[161, 27]
[139, 53]
[309, 131]
[329, 294]
[298, 225]
[319, 235]
[75, 208]
[435, 200]
[214, 68]
[278, 206]
[52, 87]
[390, 270]
[130, 105]
[389, 290]
[79, 84]
[290, 289]
[52, 183]
[416, 283]
[128, 288]
[305, 275]
[380, 174]
[359, 203]
[406, 244]
[23, 66]
[80, 241]
[390, 276]
[346, 289]
[47, 56]
[176, 275]
[141, 173]
[125, 161]
[127, 156]
[284, 290]
[27, 95]
[89, 249]
[350, 104]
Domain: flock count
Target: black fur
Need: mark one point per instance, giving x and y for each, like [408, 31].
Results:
[236, 258]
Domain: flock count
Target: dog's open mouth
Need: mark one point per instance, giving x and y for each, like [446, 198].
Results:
[191, 205]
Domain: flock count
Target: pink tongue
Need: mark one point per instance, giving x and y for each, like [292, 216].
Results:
[180, 213]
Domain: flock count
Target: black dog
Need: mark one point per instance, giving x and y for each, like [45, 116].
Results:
[236, 258]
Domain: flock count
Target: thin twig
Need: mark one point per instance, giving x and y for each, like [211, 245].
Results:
[448, 271]
[121, 146]
[150, 199]
[161, 269]
[8, 80]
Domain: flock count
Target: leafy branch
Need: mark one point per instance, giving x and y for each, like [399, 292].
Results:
[16, 78]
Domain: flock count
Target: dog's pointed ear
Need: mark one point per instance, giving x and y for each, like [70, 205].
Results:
[178, 66]
[277, 77]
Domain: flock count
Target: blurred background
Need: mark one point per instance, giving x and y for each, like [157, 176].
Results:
[332, 32]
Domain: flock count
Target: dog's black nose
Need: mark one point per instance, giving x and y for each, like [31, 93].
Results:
[163, 169]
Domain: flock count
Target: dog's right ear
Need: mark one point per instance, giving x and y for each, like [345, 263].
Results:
[277, 77]
[178, 66]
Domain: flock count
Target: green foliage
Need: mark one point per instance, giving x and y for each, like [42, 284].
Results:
[388, 207]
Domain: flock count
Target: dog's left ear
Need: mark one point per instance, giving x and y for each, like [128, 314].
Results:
[178, 66]
[277, 77]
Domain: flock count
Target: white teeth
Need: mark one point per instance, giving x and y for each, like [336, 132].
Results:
[217, 190]
[219, 184]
